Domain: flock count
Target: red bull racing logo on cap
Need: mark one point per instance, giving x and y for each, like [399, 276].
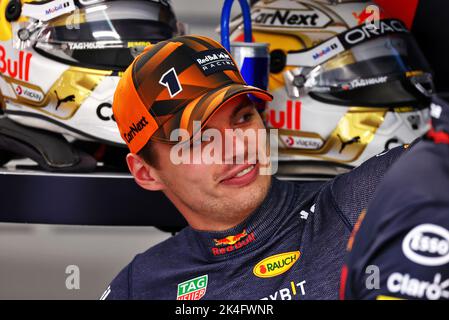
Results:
[233, 242]
[215, 60]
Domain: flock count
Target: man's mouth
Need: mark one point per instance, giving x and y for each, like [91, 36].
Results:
[244, 171]
[241, 175]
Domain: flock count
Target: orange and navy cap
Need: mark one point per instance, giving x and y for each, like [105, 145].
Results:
[173, 83]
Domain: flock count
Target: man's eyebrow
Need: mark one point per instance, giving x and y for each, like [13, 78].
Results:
[237, 109]
[241, 106]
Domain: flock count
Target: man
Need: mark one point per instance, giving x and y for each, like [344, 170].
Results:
[401, 250]
[250, 236]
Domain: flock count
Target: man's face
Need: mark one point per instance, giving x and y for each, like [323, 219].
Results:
[220, 192]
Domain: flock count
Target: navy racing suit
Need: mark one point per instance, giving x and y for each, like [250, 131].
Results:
[291, 247]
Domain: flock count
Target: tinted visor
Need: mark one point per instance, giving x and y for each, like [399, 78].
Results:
[107, 35]
[389, 70]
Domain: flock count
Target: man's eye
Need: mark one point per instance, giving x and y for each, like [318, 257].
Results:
[245, 118]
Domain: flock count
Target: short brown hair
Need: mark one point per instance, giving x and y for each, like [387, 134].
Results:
[149, 154]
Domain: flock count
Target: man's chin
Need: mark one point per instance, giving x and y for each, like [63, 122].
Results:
[250, 196]
[257, 188]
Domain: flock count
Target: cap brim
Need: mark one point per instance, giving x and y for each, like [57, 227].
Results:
[204, 107]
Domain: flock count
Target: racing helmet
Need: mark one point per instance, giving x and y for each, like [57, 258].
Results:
[348, 82]
[61, 60]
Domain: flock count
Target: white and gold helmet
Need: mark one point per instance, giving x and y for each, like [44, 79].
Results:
[348, 82]
[61, 60]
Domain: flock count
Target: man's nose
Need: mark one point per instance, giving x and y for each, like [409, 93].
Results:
[235, 146]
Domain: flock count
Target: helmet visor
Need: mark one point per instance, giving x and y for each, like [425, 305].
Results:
[385, 69]
[107, 35]
[389, 69]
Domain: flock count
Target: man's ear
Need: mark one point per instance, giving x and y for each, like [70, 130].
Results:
[144, 175]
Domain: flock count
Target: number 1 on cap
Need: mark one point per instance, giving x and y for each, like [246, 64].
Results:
[170, 80]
